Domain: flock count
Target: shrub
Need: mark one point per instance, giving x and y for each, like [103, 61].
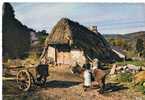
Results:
[139, 45]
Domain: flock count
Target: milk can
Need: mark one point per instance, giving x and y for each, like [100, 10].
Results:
[87, 78]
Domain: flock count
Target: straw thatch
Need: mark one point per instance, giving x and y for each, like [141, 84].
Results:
[78, 36]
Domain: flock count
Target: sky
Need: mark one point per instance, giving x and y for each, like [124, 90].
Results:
[110, 18]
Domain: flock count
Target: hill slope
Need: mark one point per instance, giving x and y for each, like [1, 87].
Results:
[131, 38]
[128, 36]
[16, 36]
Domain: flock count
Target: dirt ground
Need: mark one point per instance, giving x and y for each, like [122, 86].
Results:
[63, 85]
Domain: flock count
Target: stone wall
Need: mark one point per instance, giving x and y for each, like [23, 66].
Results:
[66, 57]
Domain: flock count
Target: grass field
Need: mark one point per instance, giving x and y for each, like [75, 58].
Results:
[137, 63]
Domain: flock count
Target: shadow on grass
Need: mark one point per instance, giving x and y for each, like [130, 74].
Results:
[61, 84]
[113, 87]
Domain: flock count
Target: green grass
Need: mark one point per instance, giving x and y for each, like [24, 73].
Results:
[137, 63]
[140, 87]
[124, 77]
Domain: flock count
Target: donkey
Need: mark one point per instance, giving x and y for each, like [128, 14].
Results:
[98, 74]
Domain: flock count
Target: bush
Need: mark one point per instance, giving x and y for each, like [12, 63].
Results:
[124, 77]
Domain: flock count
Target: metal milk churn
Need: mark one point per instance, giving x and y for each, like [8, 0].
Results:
[87, 78]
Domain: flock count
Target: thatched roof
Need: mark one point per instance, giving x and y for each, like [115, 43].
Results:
[65, 28]
[93, 44]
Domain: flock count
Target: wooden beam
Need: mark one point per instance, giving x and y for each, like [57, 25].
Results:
[8, 78]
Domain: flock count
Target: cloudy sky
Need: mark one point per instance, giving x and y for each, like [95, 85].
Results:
[110, 18]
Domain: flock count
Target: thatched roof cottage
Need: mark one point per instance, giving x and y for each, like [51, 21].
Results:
[69, 42]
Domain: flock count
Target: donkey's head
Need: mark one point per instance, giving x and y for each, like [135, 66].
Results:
[77, 69]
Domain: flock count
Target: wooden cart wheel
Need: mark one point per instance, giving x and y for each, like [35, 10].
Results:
[24, 80]
[41, 80]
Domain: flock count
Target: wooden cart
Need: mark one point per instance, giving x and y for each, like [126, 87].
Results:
[36, 75]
